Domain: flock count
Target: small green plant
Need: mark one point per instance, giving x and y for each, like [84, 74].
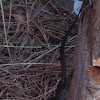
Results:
[4, 1]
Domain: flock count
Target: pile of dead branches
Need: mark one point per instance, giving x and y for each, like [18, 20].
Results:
[30, 36]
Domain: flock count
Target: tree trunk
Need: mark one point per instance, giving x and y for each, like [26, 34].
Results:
[87, 51]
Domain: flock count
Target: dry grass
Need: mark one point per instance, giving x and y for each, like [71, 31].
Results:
[30, 36]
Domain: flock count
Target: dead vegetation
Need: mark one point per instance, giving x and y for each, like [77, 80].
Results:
[30, 36]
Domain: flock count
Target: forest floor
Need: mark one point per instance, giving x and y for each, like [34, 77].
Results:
[30, 37]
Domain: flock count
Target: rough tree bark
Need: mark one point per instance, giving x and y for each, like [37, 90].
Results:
[86, 54]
